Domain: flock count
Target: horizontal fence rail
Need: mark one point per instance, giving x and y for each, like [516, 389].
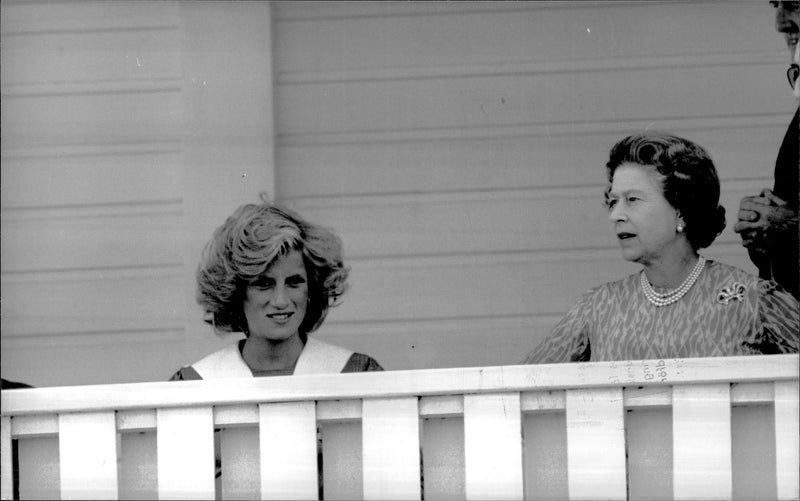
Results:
[704, 428]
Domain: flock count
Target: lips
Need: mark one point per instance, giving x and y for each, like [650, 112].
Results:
[280, 317]
[624, 235]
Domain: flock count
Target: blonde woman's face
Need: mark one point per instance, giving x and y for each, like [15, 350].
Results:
[275, 304]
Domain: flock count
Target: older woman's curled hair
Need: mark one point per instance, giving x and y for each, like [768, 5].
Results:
[247, 244]
[690, 180]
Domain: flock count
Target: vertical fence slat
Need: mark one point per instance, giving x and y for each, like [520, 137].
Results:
[701, 431]
[288, 440]
[87, 443]
[390, 430]
[545, 455]
[787, 439]
[185, 442]
[7, 469]
[443, 458]
[138, 470]
[596, 444]
[342, 476]
[241, 465]
[493, 446]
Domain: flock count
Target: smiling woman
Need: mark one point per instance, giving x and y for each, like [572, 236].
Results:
[663, 201]
[270, 274]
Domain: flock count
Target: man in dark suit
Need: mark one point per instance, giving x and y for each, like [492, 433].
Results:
[768, 223]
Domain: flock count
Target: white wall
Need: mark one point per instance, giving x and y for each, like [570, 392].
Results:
[129, 131]
[458, 148]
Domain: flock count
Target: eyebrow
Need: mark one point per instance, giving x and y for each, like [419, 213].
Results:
[626, 192]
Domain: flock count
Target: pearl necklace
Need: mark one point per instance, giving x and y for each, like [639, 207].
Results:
[664, 299]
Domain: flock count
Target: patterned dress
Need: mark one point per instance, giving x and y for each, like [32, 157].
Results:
[727, 312]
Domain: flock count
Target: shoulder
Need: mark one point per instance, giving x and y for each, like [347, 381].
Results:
[615, 289]
[223, 363]
[721, 276]
[360, 362]
[726, 281]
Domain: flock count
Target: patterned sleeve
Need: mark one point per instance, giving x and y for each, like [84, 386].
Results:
[359, 362]
[569, 340]
[778, 322]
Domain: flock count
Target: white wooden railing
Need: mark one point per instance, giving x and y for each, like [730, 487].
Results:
[713, 428]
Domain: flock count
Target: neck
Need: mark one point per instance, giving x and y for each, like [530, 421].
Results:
[670, 273]
[266, 354]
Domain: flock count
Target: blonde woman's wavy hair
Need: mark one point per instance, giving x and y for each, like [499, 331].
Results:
[247, 244]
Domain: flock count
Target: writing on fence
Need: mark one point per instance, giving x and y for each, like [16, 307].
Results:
[695, 428]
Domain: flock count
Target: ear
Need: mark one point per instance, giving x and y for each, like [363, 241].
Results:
[680, 224]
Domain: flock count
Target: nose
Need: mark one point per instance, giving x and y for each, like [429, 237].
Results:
[280, 297]
[617, 213]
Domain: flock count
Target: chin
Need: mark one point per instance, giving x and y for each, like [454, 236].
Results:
[633, 257]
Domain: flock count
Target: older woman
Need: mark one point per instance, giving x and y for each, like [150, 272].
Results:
[663, 200]
[272, 275]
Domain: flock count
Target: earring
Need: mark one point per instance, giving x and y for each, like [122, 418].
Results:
[679, 228]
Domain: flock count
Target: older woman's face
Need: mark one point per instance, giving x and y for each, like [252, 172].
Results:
[275, 305]
[644, 222]
[787, 22]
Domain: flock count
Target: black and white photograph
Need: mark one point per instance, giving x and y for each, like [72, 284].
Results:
[401, 249]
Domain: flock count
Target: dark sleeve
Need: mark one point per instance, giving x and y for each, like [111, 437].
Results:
[186, 373]
[359, 362]
[786, 171]
[14, 385]
[778, 322]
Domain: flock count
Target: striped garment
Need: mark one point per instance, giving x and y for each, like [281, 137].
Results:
[727, 312]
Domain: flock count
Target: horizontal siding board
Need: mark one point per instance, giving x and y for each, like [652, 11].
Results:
[504, 285]
[112, 178]
[433, 103]
[36, 18]
[327, 35]
[91, 118]
[91, 302]
[512, 159]
[455, 342]
[100, 57]
[479, 222]
[508, 287]
[469, 224]
[54, 360]
[97, 242]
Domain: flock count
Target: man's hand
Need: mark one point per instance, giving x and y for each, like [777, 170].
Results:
[763, 221]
